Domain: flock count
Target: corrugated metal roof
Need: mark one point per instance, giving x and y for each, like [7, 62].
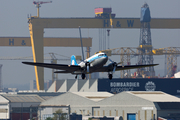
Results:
[46, 97]
[23, 98]
[95, 96]
[155, 96]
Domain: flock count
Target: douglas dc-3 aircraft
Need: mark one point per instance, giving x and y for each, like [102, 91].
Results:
[93, 64]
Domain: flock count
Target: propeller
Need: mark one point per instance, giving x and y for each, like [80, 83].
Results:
[87, 65]
[115, 64]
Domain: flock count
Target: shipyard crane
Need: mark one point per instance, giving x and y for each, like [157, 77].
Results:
[38, 5]
[126, 53]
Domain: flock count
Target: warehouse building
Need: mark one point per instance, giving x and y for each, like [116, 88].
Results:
[19, 107]
[72, 102]
[22, 105]
[139, 105]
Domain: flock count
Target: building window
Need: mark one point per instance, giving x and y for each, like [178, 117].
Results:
[47, 116]
[16, 110]
[25, 109]
[34, 109]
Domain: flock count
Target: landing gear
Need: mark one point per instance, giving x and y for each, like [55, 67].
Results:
[76, 77]
[110, 76]
[83, 75]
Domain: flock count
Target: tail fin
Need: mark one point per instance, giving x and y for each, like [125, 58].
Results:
[73, 60]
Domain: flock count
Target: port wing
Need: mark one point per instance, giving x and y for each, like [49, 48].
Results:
[64, 67]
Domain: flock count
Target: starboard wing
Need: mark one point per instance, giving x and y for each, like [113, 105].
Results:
[106, 68]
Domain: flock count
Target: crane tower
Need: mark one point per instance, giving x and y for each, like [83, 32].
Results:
[145, 43]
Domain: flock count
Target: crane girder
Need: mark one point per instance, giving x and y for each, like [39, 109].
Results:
[137, 51]
[127, 52]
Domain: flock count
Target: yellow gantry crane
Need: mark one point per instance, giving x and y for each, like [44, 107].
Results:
[126, 53]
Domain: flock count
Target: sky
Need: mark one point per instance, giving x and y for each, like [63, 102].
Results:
[13, 22]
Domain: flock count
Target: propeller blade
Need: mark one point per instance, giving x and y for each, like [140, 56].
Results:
[114, 69]
[115, 62]
[115, 65]
[119, 63]
[111, 60]
[87, 68]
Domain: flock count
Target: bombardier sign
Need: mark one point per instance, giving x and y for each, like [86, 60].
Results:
[167, 85]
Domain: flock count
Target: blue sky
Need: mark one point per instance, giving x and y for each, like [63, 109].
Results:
[13, 22]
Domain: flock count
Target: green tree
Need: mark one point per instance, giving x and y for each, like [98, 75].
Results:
[49, 118]
[59, 115]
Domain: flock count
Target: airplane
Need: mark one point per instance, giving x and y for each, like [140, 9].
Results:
[95, 63]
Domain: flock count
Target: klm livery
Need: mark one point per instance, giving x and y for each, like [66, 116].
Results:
[95, 63]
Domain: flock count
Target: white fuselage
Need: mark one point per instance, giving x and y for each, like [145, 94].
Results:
[97, 60]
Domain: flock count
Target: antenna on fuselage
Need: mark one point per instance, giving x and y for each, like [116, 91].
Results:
[81, 42]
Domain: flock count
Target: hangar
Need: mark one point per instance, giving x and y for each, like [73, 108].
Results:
[140, 105]
[22, 105]
[15, 107]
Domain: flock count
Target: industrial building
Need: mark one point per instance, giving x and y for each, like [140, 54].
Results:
[117, 85]
[140, 105]
[22, 105]
[16, 107]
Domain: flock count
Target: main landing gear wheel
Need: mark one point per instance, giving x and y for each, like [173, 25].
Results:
[76, 77]
[83, 75]
[110, 76]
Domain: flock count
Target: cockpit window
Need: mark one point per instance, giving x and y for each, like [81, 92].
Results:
[102, 55]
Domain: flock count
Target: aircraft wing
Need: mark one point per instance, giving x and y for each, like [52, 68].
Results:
[64, 67]
[106, 69]
[133, 66]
